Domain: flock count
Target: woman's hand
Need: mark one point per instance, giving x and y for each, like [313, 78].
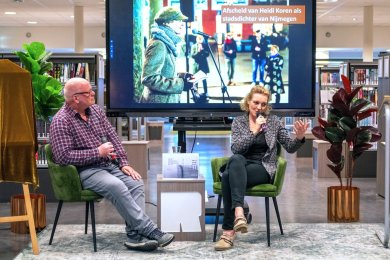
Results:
[131, 172]
[300, 128]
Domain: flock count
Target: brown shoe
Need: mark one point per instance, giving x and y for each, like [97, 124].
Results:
[240, 225]
[225, 242]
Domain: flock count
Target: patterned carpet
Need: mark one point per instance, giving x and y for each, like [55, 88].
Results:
[300, 241]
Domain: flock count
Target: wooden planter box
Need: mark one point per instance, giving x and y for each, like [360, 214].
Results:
[18, 207]
[343, 204]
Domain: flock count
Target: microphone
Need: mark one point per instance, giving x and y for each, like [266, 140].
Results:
[263, 114]
[113, 157]
[195, 31]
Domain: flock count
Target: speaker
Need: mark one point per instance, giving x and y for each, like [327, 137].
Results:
[187, 7]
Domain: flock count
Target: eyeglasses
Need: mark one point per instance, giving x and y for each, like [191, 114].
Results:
[87, 93]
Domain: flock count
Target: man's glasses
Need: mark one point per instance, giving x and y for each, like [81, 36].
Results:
[87, 93]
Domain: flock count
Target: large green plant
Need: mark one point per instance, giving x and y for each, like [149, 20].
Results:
[48, 98]
[342, 125]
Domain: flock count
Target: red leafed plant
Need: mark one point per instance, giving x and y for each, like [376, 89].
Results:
[342, 125]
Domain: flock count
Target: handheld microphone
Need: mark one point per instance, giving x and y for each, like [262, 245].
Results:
[195, 31]
[113, 156]
[263, 114]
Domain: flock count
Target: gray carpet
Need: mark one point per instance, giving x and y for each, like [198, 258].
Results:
[300, 241]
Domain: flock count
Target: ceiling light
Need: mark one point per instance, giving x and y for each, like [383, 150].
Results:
[9, 12]
[354, 19]
[32, 22]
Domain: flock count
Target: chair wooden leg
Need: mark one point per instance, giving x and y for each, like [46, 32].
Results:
[91, 203]
[86, 216]
[277, 214]
[56, 221]
[217, 217]
[267, 219]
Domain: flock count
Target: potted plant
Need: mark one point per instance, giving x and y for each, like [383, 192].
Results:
[342, 124]
[48, 98]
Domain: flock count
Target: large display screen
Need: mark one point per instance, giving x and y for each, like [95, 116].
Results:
[274, 41]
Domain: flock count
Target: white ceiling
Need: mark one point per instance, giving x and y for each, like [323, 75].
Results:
[59, 12]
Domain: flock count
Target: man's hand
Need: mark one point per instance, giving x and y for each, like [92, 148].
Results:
[131, 172]
[105, 149]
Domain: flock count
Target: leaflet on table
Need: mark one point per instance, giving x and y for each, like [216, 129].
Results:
[180, 165]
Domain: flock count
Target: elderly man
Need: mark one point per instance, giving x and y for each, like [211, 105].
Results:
[80, 134]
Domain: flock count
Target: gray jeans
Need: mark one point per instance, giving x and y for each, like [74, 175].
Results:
[125, 193]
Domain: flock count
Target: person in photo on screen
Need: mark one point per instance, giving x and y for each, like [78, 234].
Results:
[81, 135]
[230, 51]
[274, 67]
[256, 136]
[162, 84]
[259, 47]
[199, 54]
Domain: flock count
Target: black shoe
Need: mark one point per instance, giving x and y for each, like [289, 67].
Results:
[162, 238]
[141, 244]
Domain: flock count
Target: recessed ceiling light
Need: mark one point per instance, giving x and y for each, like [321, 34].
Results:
[9, 12]
[32, 22]
[354, 19]
[72, 16]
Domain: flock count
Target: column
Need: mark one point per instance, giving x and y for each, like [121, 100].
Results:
[368, 34]
[78, 29]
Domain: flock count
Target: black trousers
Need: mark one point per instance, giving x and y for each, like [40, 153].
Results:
[239, 175]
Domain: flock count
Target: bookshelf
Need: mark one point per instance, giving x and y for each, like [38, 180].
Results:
[363, 74]
[329, 82]
[65, 66]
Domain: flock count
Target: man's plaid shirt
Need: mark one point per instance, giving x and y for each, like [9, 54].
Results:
[75, 141]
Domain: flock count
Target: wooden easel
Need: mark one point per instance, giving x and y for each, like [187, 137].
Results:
[29, 217]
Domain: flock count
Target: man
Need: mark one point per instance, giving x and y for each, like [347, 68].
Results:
[259, 55]
[159, 77]
[230, 50]
[80, 134]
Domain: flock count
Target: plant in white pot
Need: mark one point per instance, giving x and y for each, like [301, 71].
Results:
[342, 125]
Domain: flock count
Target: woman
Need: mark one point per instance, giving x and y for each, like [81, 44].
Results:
[161, 83]
[254, 145]
[274, 67]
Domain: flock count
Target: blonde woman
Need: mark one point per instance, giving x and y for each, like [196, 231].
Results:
[255, 136]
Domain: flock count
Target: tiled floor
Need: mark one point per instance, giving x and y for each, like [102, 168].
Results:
[303, 199]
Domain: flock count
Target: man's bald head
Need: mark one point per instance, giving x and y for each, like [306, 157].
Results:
[73, 86]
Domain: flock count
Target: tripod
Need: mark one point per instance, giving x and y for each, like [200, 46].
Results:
[223, 86]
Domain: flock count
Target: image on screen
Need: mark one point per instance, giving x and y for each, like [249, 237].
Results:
[231, 45]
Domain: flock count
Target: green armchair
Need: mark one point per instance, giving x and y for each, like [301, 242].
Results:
[263, 190]
[67, 187]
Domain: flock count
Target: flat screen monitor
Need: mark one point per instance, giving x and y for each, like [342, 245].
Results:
[286, 65]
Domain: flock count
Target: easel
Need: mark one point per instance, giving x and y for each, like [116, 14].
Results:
[29, 217]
